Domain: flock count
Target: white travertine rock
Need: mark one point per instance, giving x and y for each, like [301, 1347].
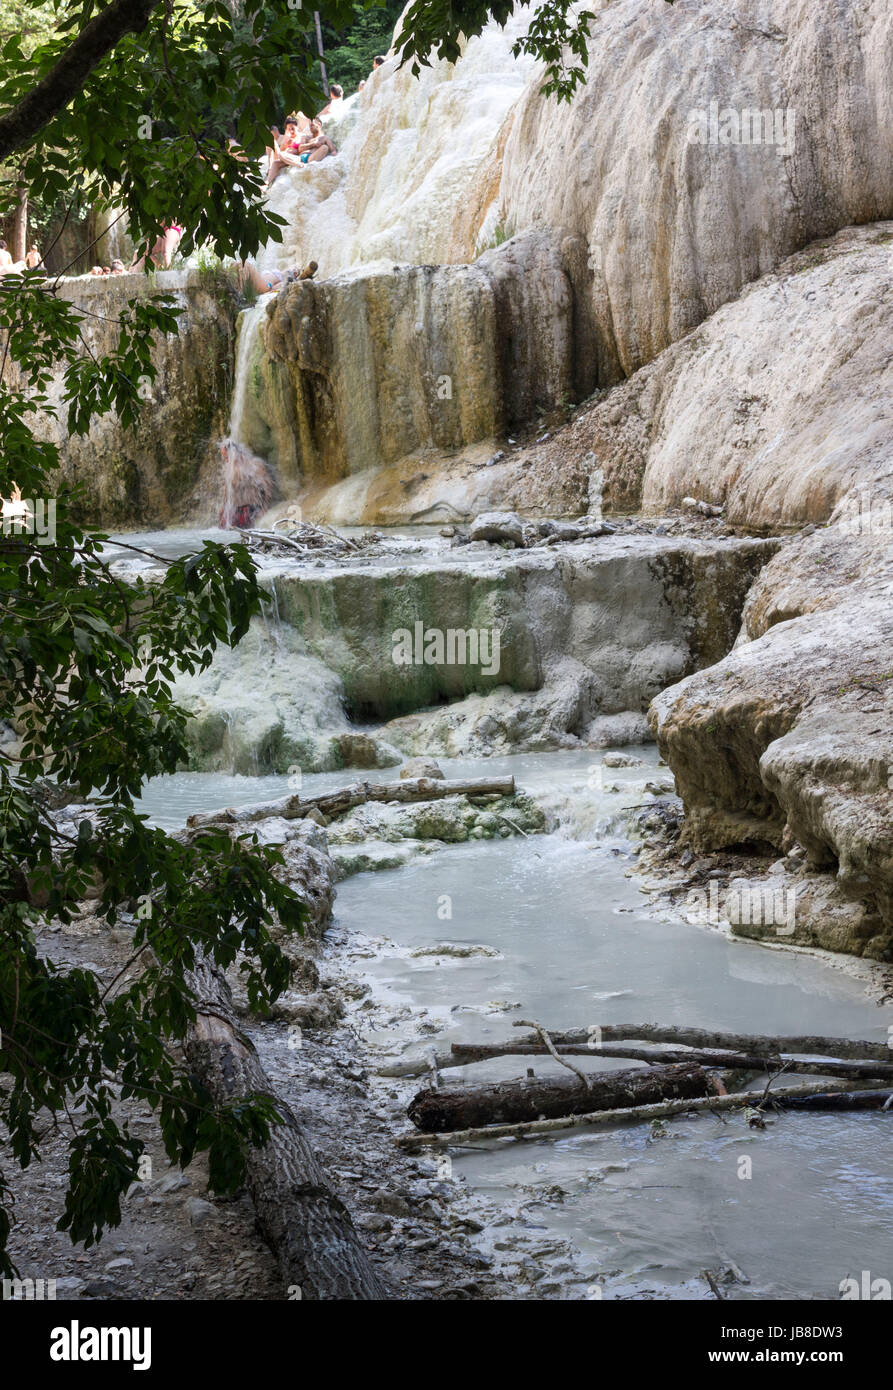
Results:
[778, 406]
[673, 228]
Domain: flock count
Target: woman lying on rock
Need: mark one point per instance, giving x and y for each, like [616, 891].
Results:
[265, 281]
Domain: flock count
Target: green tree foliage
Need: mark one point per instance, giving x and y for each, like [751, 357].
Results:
[86, 663]
[129, 104]
[349, 51]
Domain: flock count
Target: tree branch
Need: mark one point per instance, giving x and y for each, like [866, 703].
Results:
[62, 83]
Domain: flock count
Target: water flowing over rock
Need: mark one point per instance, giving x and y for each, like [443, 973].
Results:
[560, 671]
[405, 186]
[366, 369]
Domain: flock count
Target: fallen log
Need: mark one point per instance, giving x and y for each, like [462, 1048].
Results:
[305, 1223]
[532, 1129]
[840, 1100]
[461, 1054]
[535, 1097]
[753, 1045]
[705, 1056]
[335, 803]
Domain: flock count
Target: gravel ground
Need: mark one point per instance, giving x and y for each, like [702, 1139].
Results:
[176, 1241]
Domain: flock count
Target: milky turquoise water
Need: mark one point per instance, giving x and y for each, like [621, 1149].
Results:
[578, 945]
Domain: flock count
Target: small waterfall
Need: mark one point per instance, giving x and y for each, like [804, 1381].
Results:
[248, 486]
[250, 323]
[271, 617]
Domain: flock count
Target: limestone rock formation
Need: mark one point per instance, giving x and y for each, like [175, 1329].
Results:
[778, 405]
[405, 184]
[373, 367]
[270, 706]
[166, 468]
[664, 167]
[571, 647]
[789, 740]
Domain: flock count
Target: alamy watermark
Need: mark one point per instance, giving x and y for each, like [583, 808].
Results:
[757, 905]
[733, 125]
[27, 516]
[452, 646]
[862, 517]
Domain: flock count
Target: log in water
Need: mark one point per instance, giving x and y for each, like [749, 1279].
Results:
[535, 1097]
[337, 802]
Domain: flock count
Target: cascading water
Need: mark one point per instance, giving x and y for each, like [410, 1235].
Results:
[409, 183]
[248, 486]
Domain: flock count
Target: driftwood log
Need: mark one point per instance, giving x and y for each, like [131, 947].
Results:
[335, 803]
[460, 1054]
[706, 1057]
[840, 1100]
[306, 1225]
[532, 1098]
[532, 1129]
[754, 1044]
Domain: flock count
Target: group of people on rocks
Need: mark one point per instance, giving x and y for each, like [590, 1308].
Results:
[31, 260]
[303, 140]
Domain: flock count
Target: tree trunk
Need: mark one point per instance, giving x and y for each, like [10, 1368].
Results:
[335, 803]
[533, 1098]
[637, 1114]
[19, 231]
[306, 1225]
[840, 1100]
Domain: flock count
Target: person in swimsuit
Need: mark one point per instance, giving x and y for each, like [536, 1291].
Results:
[267, 281]
[315, 146]
[164, 250]
[286, 146]
[335, 101]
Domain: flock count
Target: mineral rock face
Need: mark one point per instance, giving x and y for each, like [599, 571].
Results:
[789, 739]
[778, 405]
[166, 469]
[563, 667]
[710, 140]
[368, 368]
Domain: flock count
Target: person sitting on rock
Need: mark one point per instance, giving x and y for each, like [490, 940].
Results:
[280, 153]
[315, 146]
[7, 265]
[163, 251]
[335, 101]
